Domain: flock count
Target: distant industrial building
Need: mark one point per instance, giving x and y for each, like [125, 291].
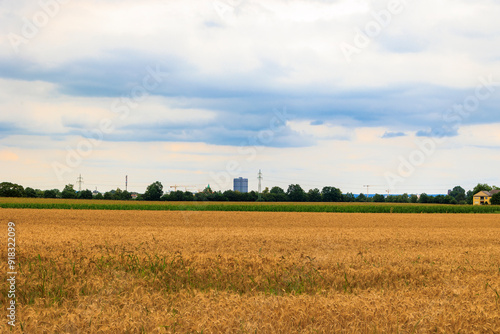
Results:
[241, 185]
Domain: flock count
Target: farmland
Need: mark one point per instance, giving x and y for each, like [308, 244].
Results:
[78, 204]
[83, 271]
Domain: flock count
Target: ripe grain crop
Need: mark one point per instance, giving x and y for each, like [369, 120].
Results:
[246, 272]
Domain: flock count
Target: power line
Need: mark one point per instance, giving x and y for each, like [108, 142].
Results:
[260, 183]
[338, 184]
[79, 180]
[309, 182]
[368, 188]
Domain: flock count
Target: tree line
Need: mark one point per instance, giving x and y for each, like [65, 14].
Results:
[294, 193]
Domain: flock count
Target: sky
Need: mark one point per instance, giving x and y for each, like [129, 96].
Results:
[398, 95]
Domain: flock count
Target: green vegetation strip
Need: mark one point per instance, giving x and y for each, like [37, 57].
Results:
[256, 207]
[56, 281]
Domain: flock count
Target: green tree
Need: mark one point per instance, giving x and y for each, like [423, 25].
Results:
[440, 199]
[481, 187]
[279, 194]
[398, 198]
[126, 196]
[154, 192]
[117, 195]
[99, 196]
[85, 194]
[361, 198]
[349, 197]
[216, 196]
[268, 197]
[470, 197]
[30, 192]
[68, 192]
[458, 193]
[331, 194]
[230, 195]
[295, 193]
[314, 195]
[51, 193]
[202, 196]
[277, 190]
[403, 198]
[495, 199]
[424, 198]
[189, 196]
[251, 196]
[413, 198]
[392, 199]
[378, 198]
[8, 189]
[177, 195]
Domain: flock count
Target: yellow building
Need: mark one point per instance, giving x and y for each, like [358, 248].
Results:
[484, 197]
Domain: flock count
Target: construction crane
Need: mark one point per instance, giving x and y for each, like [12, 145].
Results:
[175, 186]
[368, 189]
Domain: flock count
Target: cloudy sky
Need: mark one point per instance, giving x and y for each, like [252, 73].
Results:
[399, 95]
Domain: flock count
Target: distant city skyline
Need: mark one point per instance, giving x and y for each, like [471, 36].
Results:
[284, 185]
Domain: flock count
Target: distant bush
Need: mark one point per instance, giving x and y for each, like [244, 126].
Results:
[495, 199]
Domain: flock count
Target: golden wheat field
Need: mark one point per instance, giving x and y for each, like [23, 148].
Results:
[240, 272]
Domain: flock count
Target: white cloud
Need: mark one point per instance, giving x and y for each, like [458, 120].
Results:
[228, 73]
